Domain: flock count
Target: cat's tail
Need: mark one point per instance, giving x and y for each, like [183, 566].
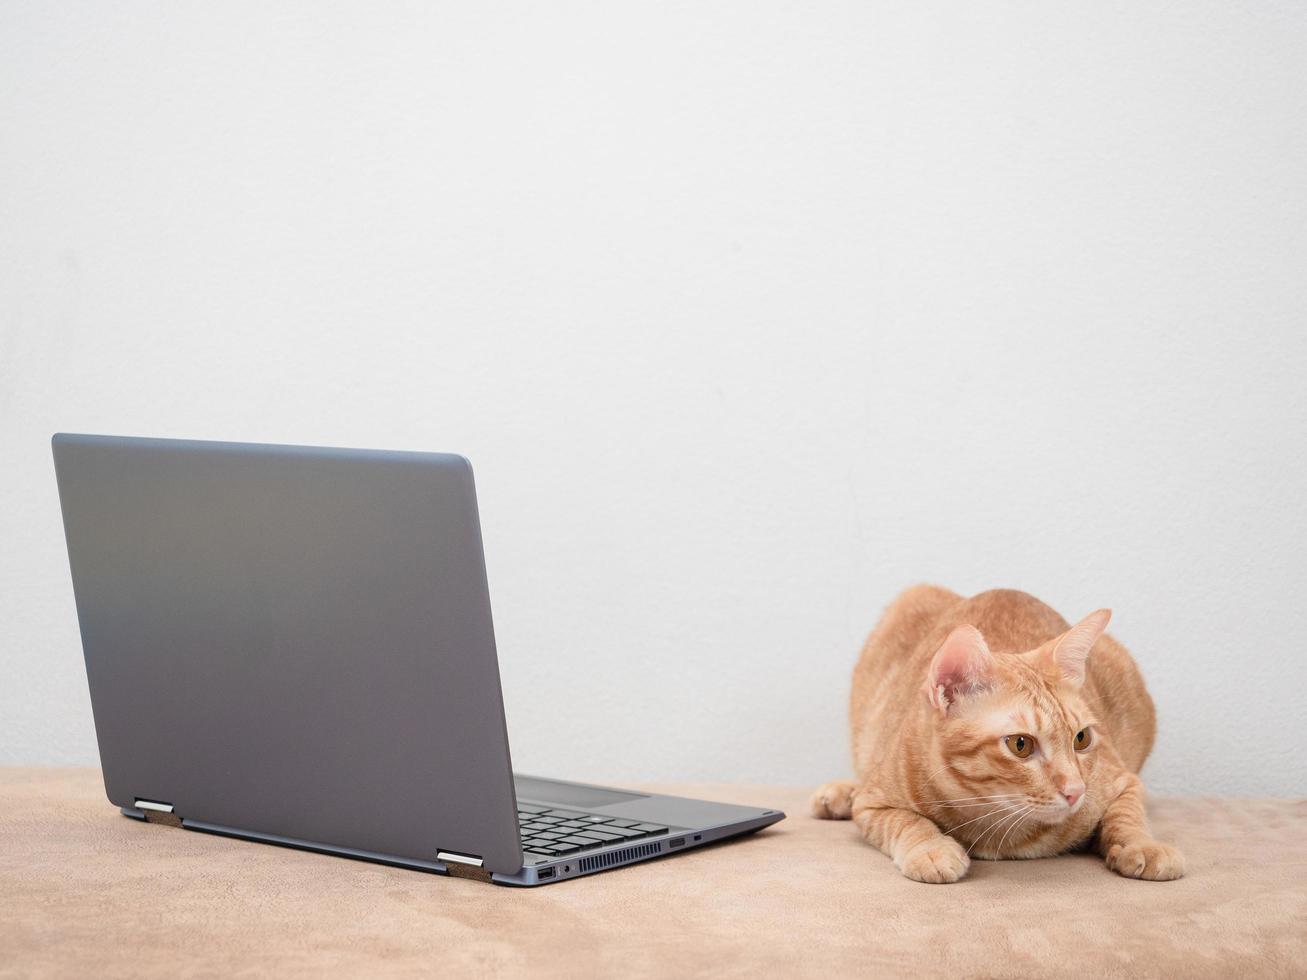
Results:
[834, 800]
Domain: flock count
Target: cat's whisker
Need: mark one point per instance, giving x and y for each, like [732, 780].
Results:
[1011, 815]
[1002, 809]
[939, 770]
[984, 833]
[1019, 821]
[994, 810]
[962, 800]
[961, 806]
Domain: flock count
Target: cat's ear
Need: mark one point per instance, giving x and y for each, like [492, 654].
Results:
[1071, 651]
[962, 665]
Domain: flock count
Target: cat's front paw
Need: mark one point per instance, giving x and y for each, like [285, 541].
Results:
[1146, 859]
[834, 800]
[939, 861]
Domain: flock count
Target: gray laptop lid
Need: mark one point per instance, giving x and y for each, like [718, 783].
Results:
[292, 641]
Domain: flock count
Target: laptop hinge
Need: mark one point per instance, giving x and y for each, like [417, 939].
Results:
[463, 865]
[160, 813]
[448, 856]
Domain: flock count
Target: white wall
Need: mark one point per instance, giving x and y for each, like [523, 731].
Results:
[749, 314]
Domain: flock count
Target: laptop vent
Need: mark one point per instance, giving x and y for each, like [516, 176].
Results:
[607, 860]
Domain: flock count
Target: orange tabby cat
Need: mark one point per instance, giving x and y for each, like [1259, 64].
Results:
[988, 726]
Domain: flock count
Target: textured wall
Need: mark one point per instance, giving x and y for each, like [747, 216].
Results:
[748, 314]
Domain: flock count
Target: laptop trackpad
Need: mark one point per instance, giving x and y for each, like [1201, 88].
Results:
[569, 794]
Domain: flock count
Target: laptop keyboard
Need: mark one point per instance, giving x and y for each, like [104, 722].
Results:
[553, 832]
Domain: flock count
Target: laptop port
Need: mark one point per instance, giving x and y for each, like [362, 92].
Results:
[676, 842]
[546, 873]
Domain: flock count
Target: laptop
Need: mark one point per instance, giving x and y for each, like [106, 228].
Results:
[294, 645]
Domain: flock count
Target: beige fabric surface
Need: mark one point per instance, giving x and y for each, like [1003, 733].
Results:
[85, 891]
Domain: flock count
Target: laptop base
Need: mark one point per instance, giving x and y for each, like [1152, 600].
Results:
[716, 822]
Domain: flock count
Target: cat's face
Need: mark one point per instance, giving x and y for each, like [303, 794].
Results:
[1024, 741]
[1013, 729]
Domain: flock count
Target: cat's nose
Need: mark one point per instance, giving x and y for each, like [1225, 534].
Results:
[1072, 792]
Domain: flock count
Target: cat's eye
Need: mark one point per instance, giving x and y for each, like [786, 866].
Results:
[1020, 745]
[1082, 739]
